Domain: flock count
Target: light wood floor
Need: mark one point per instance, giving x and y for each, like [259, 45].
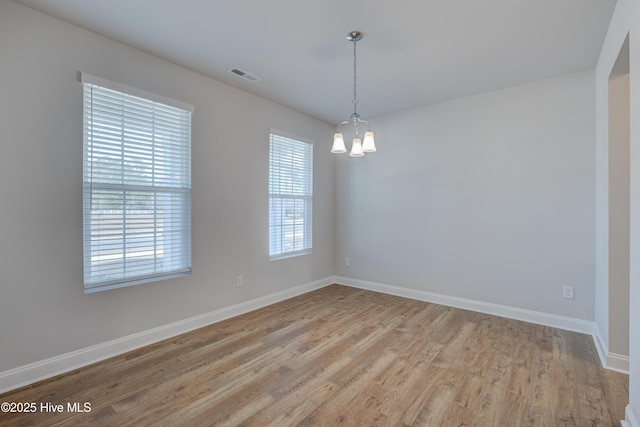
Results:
[344, 356]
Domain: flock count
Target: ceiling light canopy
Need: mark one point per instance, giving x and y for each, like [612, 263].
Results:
[359, 146]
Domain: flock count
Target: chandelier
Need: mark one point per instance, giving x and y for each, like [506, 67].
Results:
[358, 146]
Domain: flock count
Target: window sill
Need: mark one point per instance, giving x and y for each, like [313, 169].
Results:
[289, 255]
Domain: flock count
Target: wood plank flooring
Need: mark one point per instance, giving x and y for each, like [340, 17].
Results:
[344, 356]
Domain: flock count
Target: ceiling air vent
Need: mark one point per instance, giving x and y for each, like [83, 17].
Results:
[244, 74]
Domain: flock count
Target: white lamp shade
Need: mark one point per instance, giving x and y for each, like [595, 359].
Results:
[356, 148]
[338, 144]
[369, 145]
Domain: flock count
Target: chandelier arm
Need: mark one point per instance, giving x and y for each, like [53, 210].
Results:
[364, 121]
[342, 124]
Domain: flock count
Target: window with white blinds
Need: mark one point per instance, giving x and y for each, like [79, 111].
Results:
[290, 195]
[137, 186]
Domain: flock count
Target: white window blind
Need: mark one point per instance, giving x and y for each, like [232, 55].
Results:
[290, 195]
[137, 188]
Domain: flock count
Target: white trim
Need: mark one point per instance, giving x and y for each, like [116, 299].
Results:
[98, 81]
[37, 371]
[286, 255]
[617, 362]
[612, 361]
[601, 345]
[540, 318]
[631, 420]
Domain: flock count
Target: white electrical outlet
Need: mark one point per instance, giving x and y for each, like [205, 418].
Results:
[567, 292]
[347, 261]
[239, 281]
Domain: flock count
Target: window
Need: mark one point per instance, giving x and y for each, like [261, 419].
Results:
[136, 186]
[290, 195]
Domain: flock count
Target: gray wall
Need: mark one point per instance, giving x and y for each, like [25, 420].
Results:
[489, 198]
[43, 311]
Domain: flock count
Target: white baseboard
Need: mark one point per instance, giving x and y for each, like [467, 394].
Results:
[631, 420]
[617, 362]
[601, 344]
[612, 361]
[540, 318]
[37, 371]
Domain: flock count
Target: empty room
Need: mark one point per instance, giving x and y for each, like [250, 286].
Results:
[320, 213]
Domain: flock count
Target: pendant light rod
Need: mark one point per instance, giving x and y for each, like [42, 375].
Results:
[354, 36]
[358, 147]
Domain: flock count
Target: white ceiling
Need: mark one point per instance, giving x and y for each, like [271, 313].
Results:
[413, 52]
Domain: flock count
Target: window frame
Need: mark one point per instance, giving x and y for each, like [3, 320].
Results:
[167, 194]
[304, 200]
